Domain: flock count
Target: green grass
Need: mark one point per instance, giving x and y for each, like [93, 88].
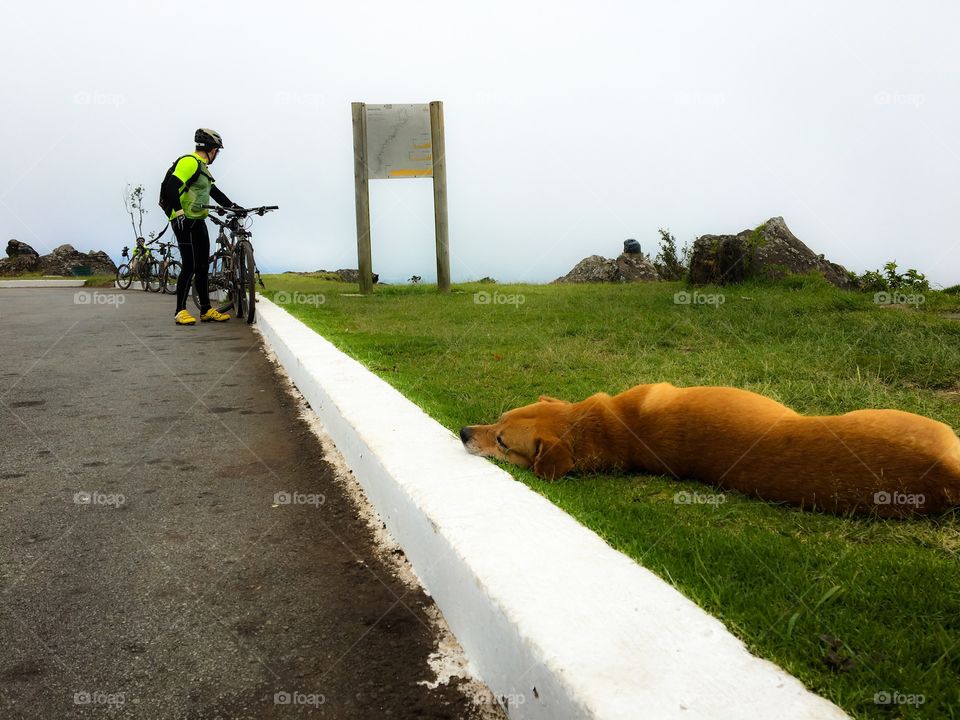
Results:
[88, 281]
[100, 281]
[853, 607]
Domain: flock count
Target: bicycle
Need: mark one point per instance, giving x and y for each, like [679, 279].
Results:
[168, 272]
[233, 272]
[140, 267]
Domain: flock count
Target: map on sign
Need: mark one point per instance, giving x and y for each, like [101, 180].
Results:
[399, 144]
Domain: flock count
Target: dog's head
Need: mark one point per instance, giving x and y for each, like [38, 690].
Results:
[534, 436]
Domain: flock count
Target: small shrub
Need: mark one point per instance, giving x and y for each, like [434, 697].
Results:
[668, 263]
[890, 279]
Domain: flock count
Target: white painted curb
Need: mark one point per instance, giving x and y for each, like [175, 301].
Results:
[40, 283]
[552, 618]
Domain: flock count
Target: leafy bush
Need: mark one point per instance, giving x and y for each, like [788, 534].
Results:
[670, 265]
[890, 279]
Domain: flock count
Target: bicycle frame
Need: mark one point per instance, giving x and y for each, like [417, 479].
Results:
[234, 268]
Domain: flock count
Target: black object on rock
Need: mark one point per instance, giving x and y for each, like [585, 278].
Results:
[631, 247]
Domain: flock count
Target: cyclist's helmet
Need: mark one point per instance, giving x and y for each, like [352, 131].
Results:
[208, 138]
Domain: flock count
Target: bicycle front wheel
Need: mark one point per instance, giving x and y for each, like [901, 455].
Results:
[248, 281]
[124, 277]
[170, 276]
[240, 298]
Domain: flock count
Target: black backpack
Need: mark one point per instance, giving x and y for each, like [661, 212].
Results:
[186, 186]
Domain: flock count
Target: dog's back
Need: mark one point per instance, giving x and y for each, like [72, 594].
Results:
[892, 462]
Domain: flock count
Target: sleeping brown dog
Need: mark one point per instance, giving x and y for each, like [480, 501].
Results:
[887, 462]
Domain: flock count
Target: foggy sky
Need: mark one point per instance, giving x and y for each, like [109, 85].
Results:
[569, 126]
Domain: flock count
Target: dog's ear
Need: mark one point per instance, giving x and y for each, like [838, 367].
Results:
[547, 398]
[553, 459]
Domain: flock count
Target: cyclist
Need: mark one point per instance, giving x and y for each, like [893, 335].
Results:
[141, 253]
[187, 190]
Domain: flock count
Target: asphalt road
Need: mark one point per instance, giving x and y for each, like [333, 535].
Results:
[148, 568]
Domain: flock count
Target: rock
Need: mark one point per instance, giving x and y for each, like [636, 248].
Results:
[352, 276]
[595, 268]
[631, 247]
[100, 263]
[628, 267]
[769, 251]
[718, 260]
[21, 259]
[24, 259]
[16, 248]
[636, 268]
[19, 265]
[782, 253]
[65, 258]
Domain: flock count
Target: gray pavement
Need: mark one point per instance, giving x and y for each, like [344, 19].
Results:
[147, 569]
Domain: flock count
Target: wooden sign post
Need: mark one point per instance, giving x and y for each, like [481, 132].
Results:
[439, 157]
[362, 189]
[407, 142]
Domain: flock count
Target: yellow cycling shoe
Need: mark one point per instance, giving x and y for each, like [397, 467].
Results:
[185, 318]
[214, 315]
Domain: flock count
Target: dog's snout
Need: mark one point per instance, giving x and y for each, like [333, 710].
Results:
[465, 434]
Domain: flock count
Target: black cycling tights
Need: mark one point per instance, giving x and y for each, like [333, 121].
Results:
[194, 242]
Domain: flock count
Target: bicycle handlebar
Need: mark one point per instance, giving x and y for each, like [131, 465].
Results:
[241, 212]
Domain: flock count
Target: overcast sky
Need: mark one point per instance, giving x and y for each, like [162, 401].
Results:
[570, 126]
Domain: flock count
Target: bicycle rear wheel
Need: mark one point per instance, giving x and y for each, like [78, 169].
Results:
[170, 276]
[124, 277]
[219, 284]
[153, 277]
[143, 272]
